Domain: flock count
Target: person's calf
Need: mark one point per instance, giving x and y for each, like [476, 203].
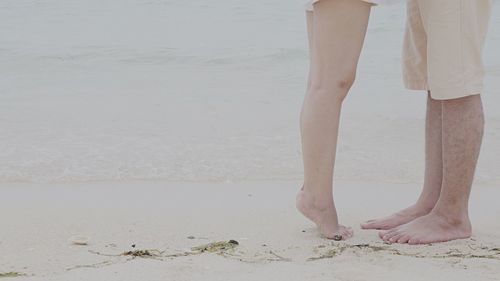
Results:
[463, 126]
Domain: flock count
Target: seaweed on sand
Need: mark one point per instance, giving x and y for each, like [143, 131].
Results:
[216, 246]
[339, 250]
[493, 254]
[10, 274]
[451, 254]
[143, 253]
[226, 249]
[152, 254]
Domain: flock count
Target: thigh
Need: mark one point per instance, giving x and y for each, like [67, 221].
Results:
[309, 20]
[339, 28]
[456, 32]
[415, 49]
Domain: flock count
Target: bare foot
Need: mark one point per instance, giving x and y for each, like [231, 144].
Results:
[432, 228]
[397, 219]
[323, 215]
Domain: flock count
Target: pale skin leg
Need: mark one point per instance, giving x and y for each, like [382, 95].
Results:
[463, 127]
[337, 30]
[433, 173]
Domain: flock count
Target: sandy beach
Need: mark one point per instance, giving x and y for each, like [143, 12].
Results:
[153, 135]
[275, 243]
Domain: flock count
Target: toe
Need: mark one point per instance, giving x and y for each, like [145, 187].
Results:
[368, 224]
[346, 232]
[387, 233]
[349, 233]
[342, 233]
[391, 233]
[381, 234]
[376, 224]
[345, 236]
[414, 241]
[387, 237]
[396, 237]
[403, 239]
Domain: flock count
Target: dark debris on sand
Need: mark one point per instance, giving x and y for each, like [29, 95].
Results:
[143, 253]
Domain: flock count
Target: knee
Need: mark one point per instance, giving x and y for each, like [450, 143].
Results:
[333, 89]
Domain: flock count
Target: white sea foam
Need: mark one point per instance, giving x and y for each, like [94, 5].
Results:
[203, 90]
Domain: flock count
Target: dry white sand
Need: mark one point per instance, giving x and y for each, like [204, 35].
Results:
[276, 243]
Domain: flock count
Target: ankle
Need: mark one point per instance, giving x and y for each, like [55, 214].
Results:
[424, 207]
[453, 218]
[427, 200]
[317, 202]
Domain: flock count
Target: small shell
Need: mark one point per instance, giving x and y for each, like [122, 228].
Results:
[79, 240]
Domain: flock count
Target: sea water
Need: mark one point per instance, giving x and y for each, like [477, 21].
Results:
[201, 90]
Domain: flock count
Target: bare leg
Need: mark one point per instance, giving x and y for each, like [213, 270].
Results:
[463, 126]
[337, 32]
[433, 173]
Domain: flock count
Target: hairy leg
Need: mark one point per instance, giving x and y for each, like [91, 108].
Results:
[337, 32]
[433, 173]
[463, 127]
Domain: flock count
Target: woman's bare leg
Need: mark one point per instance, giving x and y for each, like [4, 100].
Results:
[337, 32]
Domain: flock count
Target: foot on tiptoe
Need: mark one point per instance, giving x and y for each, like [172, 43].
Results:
[324, 215]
